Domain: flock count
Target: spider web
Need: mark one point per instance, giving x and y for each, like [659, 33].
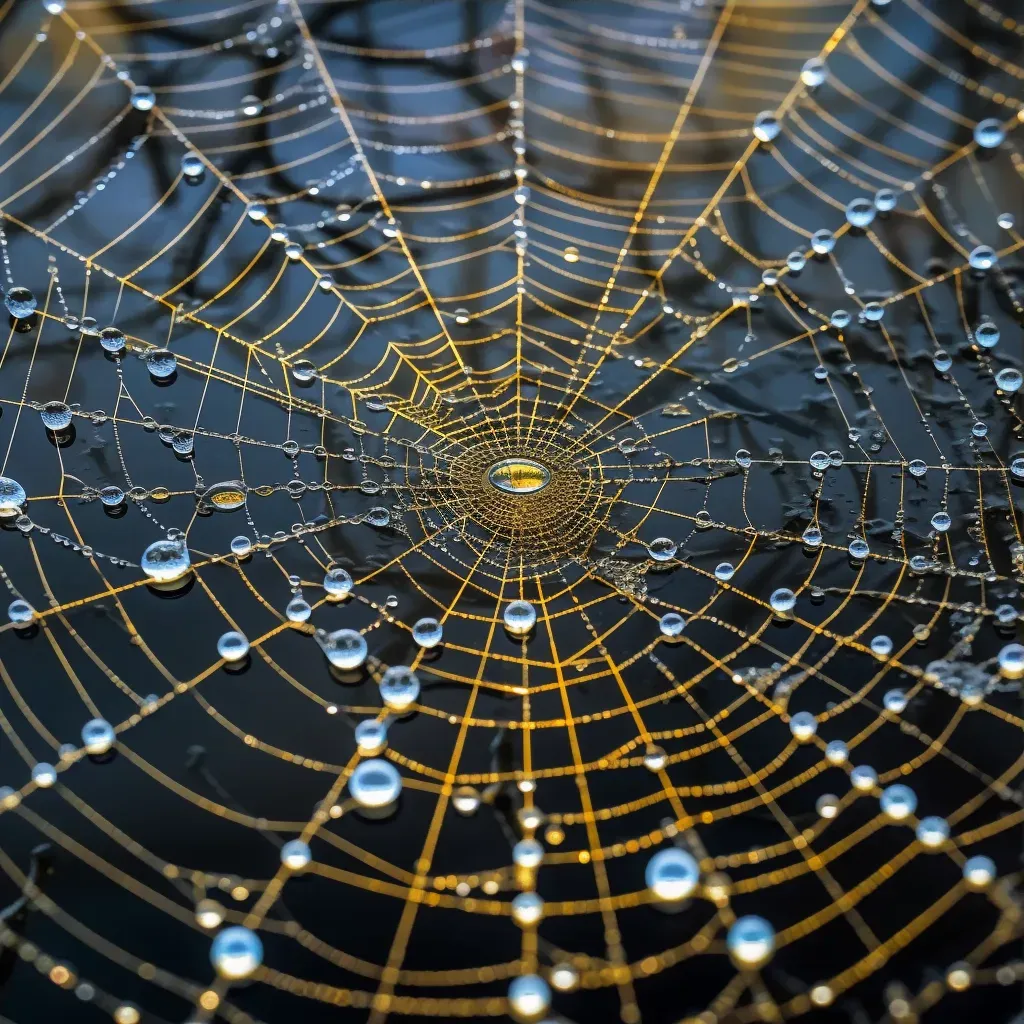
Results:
[421, 239]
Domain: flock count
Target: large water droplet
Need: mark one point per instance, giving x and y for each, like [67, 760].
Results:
[56, 416]
[989, 134]
[20, 302]
[399, 688]
[337, 583]
[12, 497]
[161, 363]
[227, 496]
[143, 98]
[112, 339]
[519, 617]
[375, 783]
[662, 549]
[766, 126]
[427, 633]
[345, 649]
[166, 560]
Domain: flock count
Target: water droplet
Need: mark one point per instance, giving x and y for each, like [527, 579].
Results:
[337, 583]
[1005, 615]
[750, 941]
[296, 855]
[827, 806]
[672, 874]
[1011, 661]
[304, 371]
[898, 802]
[236, 953]
[56, 416]
[811, 536]
[161, 363]
[166, 560]
[895, 701]
[143, 98]
[814, 72]
[655, 758]
[671, 624]
[371, 737]
[979, 871]
[345, 649]
[232, 646]
[823, 242]
[881, 645]
[885, 200]
[20, 302]
[859, 549]
[662, 549]
[427, 633]
[465, 800]
[227, 496]
[528, 997]
[183, 442]
[983, 257]
[98, 736]
[20, 611]
[192, 166]
[986, 334]
[375, 783]
[836, 752]
[112, 496]
[519, 617]
[860, 212]
[802, 726]
[932, 831]
[399, 688]
[241, 546]
[766, 126]
[1009, 379]
[989, 134]
[112, 339]
[298, 609]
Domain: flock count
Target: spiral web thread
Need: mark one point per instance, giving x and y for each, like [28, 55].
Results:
[613, 323]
